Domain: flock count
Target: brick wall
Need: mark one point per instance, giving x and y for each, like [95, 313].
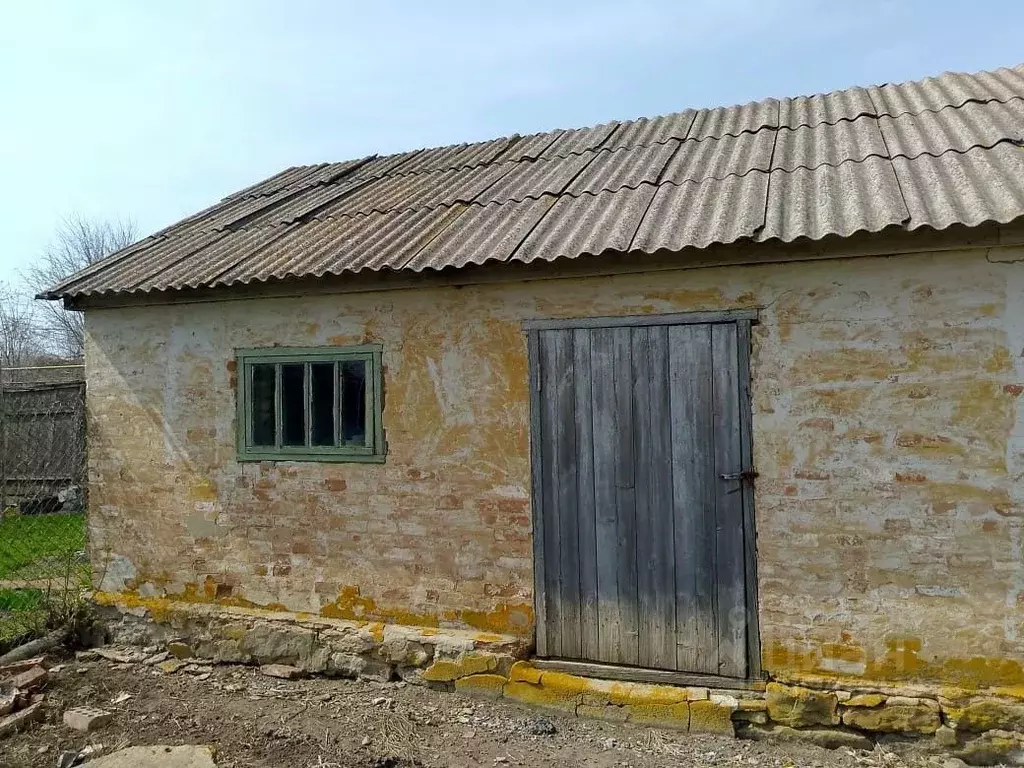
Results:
[887, 434]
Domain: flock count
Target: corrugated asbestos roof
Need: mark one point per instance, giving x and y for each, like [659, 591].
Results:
[942, 151]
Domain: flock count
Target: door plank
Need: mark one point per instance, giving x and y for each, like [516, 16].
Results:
[643, 458]
[585, 505]
[654, 534]
[549, 487]
[690, 377]
[536, 492]
[662, 495]
[602, 360]
[730, 556]
[625, 483]
[563, 449]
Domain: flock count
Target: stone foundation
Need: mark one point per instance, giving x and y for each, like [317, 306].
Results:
[331, 647]
[982, 727]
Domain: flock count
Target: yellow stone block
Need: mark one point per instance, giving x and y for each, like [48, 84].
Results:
[601, 692]
[621, 693]
[991, 714]
[603, 712]
[659, 694]
[865, 700]
[894, 719]
[708, 717]
[799, 707]
[442, 671]
[662, 715]
[524, 672]
[487, 685]
[753, 705]
[447, 670]
[541, 696]
[570, 685]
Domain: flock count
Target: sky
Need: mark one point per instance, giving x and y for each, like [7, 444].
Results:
[151, 111]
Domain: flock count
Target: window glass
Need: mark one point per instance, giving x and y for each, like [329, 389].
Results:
[264, 426]
[293, 404]
[353, 402]
[322, 404]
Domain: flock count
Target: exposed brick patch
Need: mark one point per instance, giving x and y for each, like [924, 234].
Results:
[915, 440]
[825, 424]
[810, 474]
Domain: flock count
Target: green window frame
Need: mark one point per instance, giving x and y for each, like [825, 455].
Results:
[310, 404]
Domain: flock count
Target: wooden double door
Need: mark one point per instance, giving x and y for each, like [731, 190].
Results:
[643, 518]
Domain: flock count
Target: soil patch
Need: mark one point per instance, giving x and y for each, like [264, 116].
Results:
[261, 722]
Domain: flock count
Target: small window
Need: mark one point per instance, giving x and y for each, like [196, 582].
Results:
[320, 404]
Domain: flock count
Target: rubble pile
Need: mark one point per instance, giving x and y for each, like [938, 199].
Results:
[21, 694]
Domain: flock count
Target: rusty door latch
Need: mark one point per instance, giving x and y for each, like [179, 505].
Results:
[746, 475]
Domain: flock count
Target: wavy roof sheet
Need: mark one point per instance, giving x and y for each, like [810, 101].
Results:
[941, 151]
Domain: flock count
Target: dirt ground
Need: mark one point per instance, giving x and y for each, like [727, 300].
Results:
[258, 722]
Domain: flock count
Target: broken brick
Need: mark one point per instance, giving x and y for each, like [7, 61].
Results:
[86, 719]
[30, 679]
[12, 723]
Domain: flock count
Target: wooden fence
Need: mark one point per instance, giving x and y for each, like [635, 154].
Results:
[42, 440]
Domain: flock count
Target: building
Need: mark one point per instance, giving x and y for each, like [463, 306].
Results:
[721, 397]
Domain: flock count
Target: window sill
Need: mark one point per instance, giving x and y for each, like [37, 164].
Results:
[335, 458]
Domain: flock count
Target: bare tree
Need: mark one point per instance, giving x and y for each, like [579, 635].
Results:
[77, 243]
[20, 342]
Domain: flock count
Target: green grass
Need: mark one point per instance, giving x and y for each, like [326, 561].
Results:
[40, 546]
[43, 550]
[23, 612]
[15, 600]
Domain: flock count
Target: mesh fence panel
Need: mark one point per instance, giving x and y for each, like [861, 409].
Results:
[43, 564]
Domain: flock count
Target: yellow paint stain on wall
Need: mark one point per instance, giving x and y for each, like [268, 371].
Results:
[945, 496]
[842, 652]
[351, 605]
[902, 661]
[1001, 361]
[202, 594]
[505, 619]
[844, 364]
[839, 402]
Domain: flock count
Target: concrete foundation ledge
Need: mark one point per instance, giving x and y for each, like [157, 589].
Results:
[983, 727]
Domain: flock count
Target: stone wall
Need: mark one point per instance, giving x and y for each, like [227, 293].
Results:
[887, 435]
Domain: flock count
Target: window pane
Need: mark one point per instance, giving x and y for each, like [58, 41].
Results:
[353, 402]
[322, 418]
[264, 430]
[293, 404]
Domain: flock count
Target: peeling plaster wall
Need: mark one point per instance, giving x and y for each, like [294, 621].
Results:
[887, 433]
